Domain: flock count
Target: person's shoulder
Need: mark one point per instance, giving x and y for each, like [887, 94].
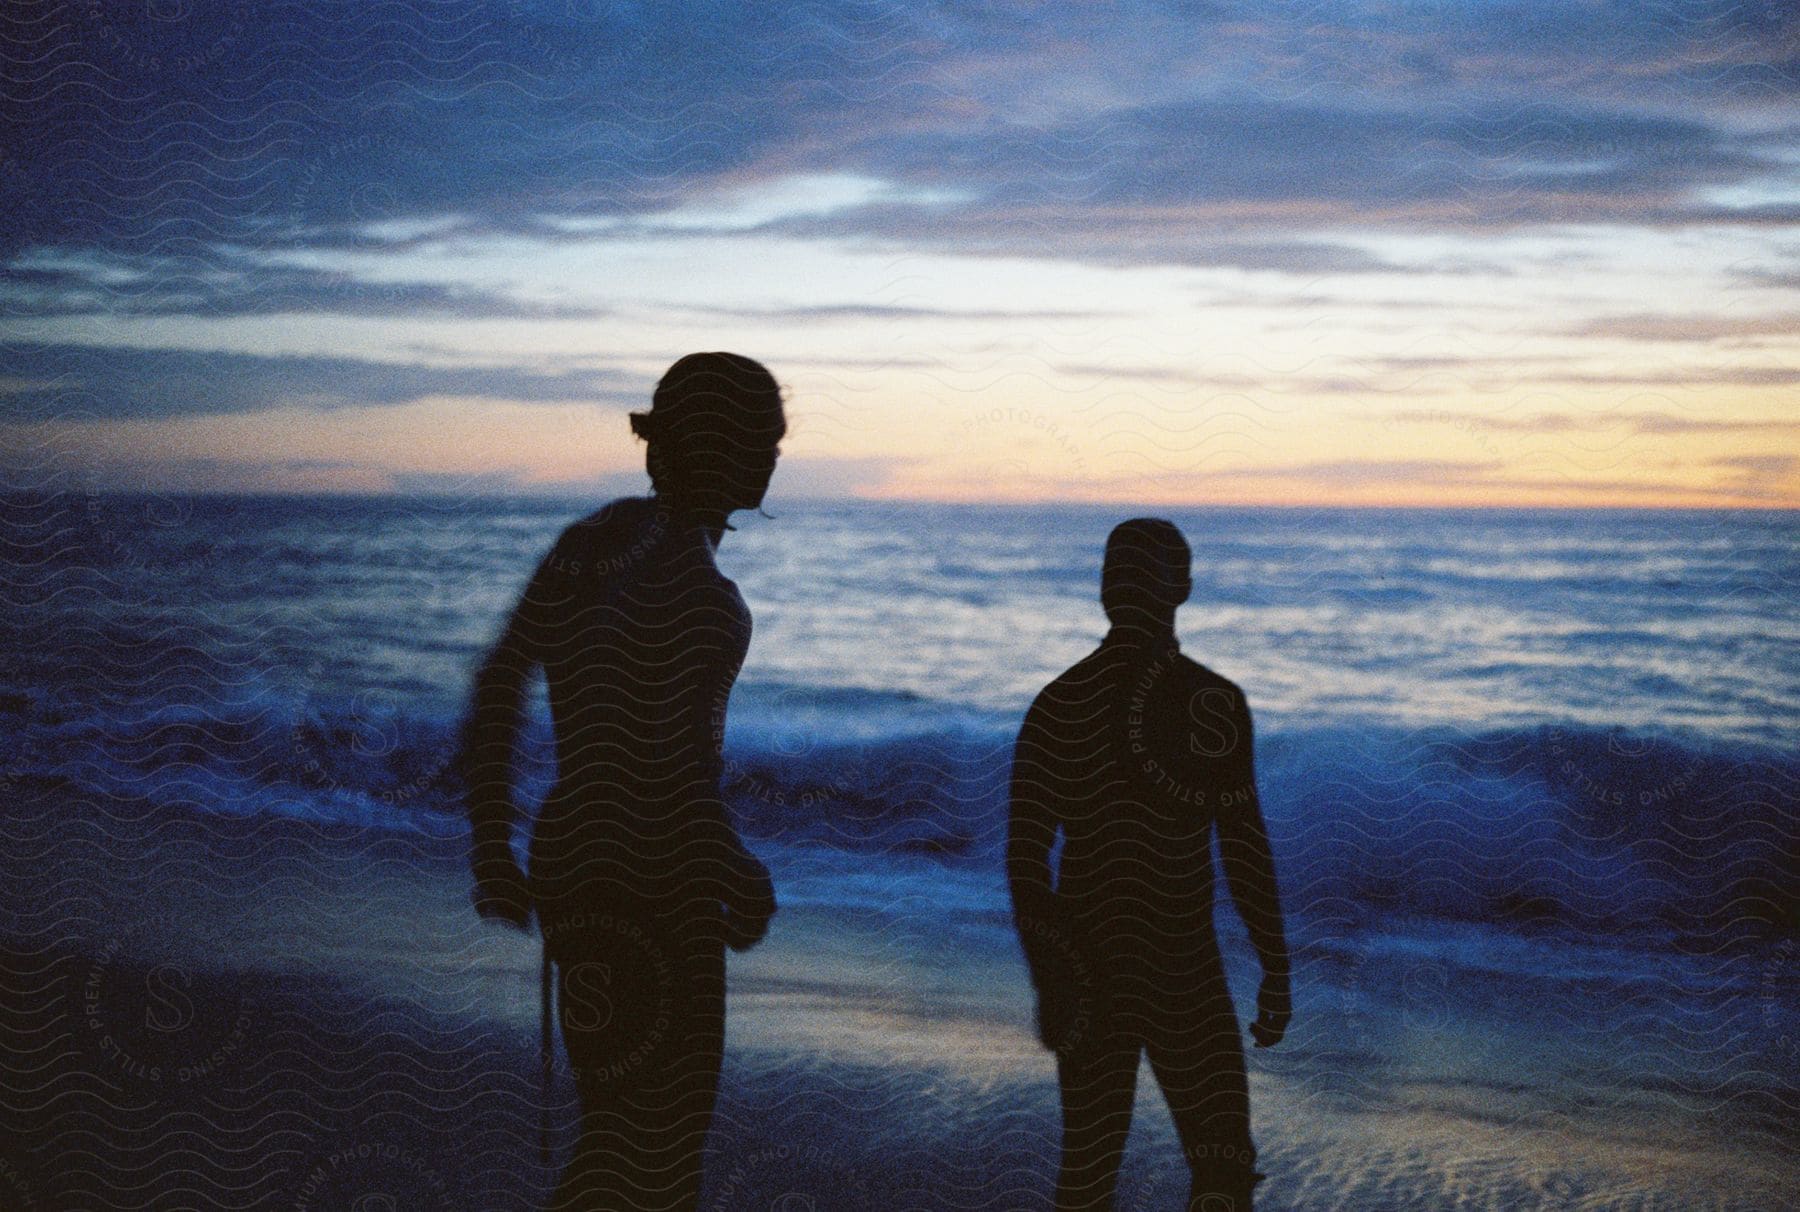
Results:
[1079, 684]
[1090, 672]
[621, 526]
[1197, 678]
[619, 513]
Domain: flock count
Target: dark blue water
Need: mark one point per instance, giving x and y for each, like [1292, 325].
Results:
[1535, 719]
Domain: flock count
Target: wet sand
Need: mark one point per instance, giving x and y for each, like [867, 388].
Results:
[265, 1013]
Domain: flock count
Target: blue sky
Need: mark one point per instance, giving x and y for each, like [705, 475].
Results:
[1475, 253]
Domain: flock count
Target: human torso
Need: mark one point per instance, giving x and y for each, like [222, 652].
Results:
[650, 638]
[1138, 803]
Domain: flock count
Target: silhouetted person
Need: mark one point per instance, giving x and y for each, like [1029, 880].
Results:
[1138, 756]
[637, 876]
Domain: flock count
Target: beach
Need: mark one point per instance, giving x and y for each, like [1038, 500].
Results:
[1357, 441]
[354, 1031]
[1527, 783]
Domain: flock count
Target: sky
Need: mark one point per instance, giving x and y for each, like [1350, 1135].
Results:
[1543, 253]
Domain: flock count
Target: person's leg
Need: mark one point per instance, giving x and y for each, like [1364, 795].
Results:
[1198, 1060]
[678, 1109]
[643, 1020]
[1098, 1081]
[608, 988]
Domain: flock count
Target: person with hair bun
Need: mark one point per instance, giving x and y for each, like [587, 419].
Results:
[638, 878]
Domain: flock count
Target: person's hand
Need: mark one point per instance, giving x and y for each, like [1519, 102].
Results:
[501, 892]
[1070, 1004]
[1274, 1008]
[749, 903]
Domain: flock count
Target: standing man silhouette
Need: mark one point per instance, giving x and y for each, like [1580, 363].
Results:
[1139, 756]
[637, 876]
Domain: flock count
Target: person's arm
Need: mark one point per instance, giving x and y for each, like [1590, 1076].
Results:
[739, 879]
[1250, 875]
[749, 898]
[744, 886]
[489, 738]
[1032, 823]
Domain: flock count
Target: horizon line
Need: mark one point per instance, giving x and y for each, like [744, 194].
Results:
[575, 494]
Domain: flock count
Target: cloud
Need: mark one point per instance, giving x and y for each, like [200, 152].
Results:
[1759, 468]
[1702, 327]
[225, 284]
[1150, 374]
[1120, 237]
[1357, 472]
[381, 127]
[873, 311]
[827, 476]
[1774, 279]
[1644, 492]
[798, 478]
[1737, 376]
[199, 167]
[433, 483]
[317, 124]
[98, 381]
[1666, 423]
[1568, 422]
[1753, 478]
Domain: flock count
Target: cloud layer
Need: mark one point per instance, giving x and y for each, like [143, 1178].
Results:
[190, 190]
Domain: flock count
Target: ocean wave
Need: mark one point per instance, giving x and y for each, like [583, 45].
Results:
[1565, 826]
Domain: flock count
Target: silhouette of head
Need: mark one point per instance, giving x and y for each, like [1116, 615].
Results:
[712, 433]
[1147, 574]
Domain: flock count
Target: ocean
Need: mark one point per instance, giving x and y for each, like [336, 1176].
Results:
[1536, 717]
[1531, 781]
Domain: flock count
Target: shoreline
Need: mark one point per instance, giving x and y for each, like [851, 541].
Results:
[887, 1051]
